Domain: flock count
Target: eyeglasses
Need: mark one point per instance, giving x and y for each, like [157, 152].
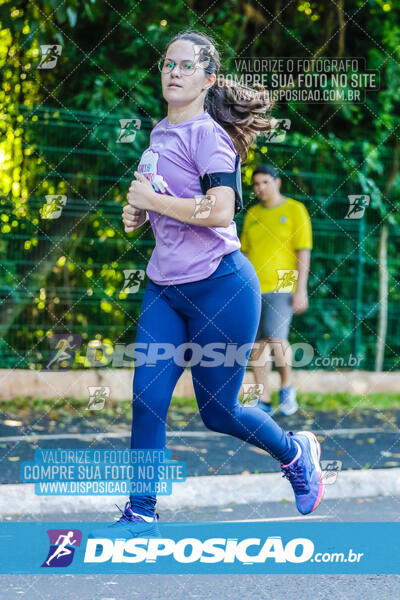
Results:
[187, 67]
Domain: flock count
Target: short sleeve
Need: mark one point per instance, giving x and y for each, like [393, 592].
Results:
[218, 164]
[302, 235]
[213, 154]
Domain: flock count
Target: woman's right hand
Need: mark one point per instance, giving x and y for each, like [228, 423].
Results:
[132, 218]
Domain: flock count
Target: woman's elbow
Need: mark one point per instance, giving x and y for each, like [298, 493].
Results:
[223, 208]
[225, 218]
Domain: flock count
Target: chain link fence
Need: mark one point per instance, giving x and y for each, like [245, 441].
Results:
[64, 250]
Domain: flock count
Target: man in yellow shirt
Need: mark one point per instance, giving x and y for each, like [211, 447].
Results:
[277, 239]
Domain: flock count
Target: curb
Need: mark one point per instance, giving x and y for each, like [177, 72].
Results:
[50, 385]
[205, 491]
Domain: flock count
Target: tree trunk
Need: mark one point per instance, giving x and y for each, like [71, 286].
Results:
[383, 270]
[383, 298]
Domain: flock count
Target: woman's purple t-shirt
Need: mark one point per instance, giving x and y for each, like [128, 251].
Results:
[178, 155]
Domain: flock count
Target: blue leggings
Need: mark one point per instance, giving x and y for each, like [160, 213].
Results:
[224, 309]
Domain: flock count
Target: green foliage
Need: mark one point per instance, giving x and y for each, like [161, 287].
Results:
[58, 136]
[60, 409]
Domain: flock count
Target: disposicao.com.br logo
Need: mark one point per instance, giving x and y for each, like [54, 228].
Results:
[213, 550]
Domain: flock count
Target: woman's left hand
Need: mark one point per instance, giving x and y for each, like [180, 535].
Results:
[141, 192]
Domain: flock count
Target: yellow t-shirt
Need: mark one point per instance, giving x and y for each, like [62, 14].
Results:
[270, 238]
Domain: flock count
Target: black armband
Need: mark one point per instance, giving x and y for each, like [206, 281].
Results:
[233, 180]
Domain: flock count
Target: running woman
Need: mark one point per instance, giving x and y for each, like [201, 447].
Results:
[202, 289]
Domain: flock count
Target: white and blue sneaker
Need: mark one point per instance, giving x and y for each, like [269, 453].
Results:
[129, 525]
[287, 401]
[305, 473]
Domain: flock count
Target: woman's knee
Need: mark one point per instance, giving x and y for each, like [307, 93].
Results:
[218, 419]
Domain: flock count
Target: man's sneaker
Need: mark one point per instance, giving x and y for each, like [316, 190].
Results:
[305, 473]
[287, 401]
[265, 406]
[130, 525]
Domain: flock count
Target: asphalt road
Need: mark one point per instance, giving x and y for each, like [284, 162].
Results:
[229, 587]
[202, 587]
[366, 439]
[377, 508]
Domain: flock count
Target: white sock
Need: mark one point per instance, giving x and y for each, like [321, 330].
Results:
[145, 517]
[298, 450]
[297, 455]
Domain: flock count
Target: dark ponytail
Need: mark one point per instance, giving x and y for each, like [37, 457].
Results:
[240, 110]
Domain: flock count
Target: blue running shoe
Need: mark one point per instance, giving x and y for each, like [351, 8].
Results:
[305, 473]
[128, 526]
[287, 401]
[265, 406]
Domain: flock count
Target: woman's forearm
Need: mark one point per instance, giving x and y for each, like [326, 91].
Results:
[203, 210]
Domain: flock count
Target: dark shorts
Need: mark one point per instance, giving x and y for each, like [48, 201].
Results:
[276, 315]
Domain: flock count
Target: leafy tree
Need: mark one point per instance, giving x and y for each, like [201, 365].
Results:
[59, 129]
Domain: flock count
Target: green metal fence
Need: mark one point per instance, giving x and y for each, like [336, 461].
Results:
[66, 274]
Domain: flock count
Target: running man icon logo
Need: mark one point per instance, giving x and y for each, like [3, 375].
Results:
[63, 350]
[97, 397]
[286, 280]
[53, 207]
[330, 470]
[203, 53]
[357, 206]
[251, 393]
[62, 547]
[128, 130]
[133, 279]
[278, 133]
[203, 206]
[49, 56]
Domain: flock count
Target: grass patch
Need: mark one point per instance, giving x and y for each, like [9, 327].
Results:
[24, 406]
[59, 407]
[345, 401]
